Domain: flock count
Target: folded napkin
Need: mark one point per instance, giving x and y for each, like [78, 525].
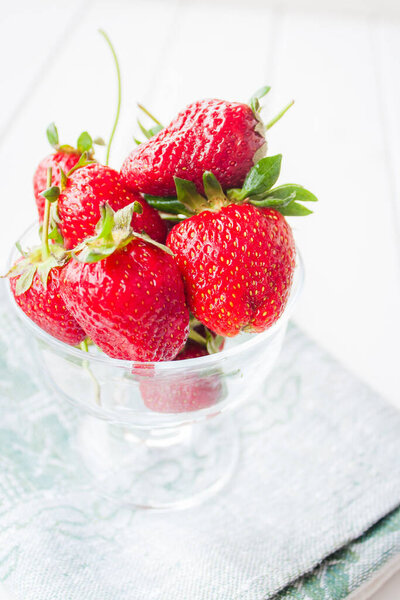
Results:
[311, 512]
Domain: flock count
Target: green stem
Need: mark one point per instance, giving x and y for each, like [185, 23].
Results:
[196, 337]
[46, 221]
[279, 115]
[103, 33]
[148, 113]
[97, 391]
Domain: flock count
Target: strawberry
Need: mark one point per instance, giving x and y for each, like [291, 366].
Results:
[126, 293]
[35, 284]
[209, 135]
[65, 158]
[237, 264]
[86, 190]
[183, 392]
[224, 137]
[45, 307]
[237, 256]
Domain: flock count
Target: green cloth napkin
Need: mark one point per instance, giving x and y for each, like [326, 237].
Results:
[311, 512]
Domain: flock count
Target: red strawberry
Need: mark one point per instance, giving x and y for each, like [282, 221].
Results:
[226, 138]
[35, 283]
[65, 157]
[61, 158]
[86, 190]
[237, 264]
[181, 392]
[46, 308]
[129, 295]
[237, 256]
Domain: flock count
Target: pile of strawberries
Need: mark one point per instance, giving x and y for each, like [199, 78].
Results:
[187, 244]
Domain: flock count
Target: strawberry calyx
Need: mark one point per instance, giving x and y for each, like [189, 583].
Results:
[85, 159]
[113, 232]
[32, 262]
[211, 341]
[257, 190]
[41, 259]
[256, 107]
[151, 131]
[84, 143]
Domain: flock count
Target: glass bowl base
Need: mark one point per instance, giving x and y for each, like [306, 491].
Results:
[166, 468]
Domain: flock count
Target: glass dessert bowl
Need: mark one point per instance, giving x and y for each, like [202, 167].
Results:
[158, 435]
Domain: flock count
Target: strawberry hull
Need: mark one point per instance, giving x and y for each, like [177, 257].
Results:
[86, 190]
[209, 135]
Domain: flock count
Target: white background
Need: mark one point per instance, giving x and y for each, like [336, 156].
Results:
[340, 62]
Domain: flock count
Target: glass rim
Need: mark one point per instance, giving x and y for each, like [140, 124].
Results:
[173, 365]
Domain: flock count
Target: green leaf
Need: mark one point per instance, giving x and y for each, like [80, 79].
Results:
[20, 249]
[44, 269]
[212, 188]
[84, 143]
[56, 236]
[292, 190]
[148, 133]
[187, 194]
[260, 178]
[105, 224]
[168, 205]
[52, 135]
[149, 114]
[147, 238]
[25, 280]
[279, 115]
[63, 178]
[51, 194]
[294, 210]
[99, 141]
[271, 202]
[90, 255]
[82, 162]
[54, 216]
[213, 342]
[123, 217]
[254, 101]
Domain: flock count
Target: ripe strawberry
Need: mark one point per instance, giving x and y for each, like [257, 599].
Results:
[226, 138]
[237, 256]
[86, 190]
[61, 158]
[65, 157]
[127, 293]
[45, 307]
[237, 264]
[35, 284]
[180, 392]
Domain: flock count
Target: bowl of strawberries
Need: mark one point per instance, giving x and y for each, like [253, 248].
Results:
[156, 297]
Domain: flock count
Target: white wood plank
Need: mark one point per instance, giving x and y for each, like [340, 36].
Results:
[385, 37]
[333, 143]
[31, 35]
[217, 53]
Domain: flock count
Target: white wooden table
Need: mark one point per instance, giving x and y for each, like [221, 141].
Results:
[342, 138]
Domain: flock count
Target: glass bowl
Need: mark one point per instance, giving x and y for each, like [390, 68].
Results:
[158, 435]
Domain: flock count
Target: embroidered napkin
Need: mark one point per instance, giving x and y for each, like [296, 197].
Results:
[311, 512]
